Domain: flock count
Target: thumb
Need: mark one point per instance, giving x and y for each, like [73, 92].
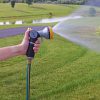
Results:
[26, 36]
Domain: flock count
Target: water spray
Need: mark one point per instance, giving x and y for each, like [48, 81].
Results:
[84, 31]
[33, 36]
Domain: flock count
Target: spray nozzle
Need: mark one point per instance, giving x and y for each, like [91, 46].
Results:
[34, 35]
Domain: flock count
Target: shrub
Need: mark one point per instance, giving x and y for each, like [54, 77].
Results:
[13, 3]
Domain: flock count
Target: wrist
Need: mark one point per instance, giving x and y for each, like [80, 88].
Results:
[17, 49]
[22, 49]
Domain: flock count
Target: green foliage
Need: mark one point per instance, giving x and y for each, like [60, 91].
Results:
[79, 2]
[29, 2]
[13, 3]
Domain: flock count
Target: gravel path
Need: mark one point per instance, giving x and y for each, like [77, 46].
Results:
[17, 31]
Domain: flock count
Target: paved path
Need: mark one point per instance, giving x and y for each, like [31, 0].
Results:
[17, 31]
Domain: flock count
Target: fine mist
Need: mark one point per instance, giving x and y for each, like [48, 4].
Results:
[84, 31]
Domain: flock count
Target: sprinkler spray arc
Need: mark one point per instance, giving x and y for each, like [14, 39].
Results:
[33, 36]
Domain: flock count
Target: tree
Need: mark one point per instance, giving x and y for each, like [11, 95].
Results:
[29, 2]
[12, 3]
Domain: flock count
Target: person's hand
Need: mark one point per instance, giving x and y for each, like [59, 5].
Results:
[25, 43]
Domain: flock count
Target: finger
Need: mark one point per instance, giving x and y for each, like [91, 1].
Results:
[37, 42]
[26, 36]
[35, 49]
[37, 45]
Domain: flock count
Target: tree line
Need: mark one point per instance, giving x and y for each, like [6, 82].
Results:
[80, 2]
[63, 1]
[29, 2]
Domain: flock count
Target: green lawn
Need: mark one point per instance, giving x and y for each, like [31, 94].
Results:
[35, 11]
[25, 25]
[60, 71]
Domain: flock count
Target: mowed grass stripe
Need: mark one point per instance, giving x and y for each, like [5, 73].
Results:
[59, 69]
[80, 78]
[36, 11]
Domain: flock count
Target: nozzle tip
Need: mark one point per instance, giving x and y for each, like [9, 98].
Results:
[51, 33]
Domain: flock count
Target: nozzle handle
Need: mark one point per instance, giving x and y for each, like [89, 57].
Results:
[33, 36]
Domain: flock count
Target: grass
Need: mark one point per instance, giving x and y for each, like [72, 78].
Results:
[35, 11]
[61, 70]
[24, 25]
